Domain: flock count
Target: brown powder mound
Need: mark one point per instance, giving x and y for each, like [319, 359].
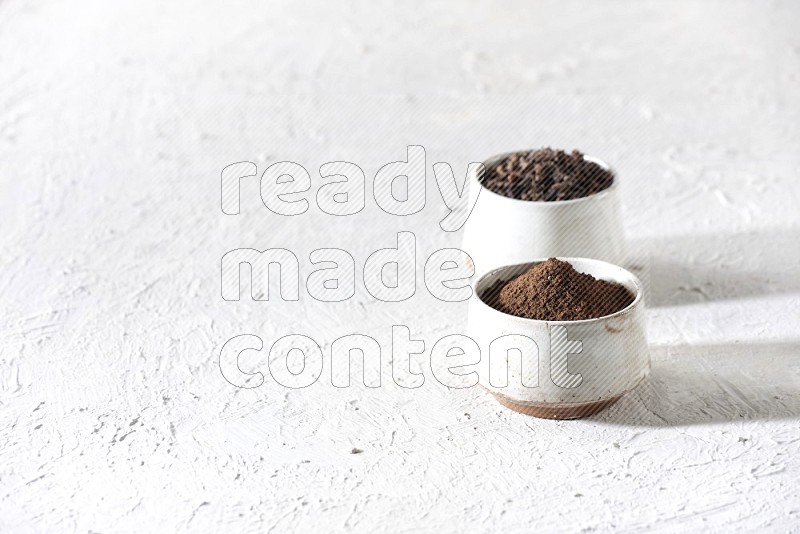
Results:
[554, 291]
[546, 175]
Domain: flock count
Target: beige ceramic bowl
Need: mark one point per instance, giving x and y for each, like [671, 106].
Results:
[505, 231]
[560, 369]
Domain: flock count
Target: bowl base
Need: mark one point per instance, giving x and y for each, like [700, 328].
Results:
[556, 411]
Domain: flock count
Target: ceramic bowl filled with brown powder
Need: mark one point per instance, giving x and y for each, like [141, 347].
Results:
[542, 203]
[559, 338]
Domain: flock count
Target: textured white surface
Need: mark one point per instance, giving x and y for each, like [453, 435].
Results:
[115, 121]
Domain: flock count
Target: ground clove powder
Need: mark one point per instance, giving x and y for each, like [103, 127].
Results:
[554, 291]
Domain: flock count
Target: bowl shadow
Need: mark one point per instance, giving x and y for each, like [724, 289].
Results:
[694, 269]
[693, 385]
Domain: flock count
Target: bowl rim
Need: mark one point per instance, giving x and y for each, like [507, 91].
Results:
[638, 298]
[547, 203]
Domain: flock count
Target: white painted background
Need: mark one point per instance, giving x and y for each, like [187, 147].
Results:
[115, 122]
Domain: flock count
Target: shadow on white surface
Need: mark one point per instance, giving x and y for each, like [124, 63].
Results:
[692, 385]
[706, 268]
